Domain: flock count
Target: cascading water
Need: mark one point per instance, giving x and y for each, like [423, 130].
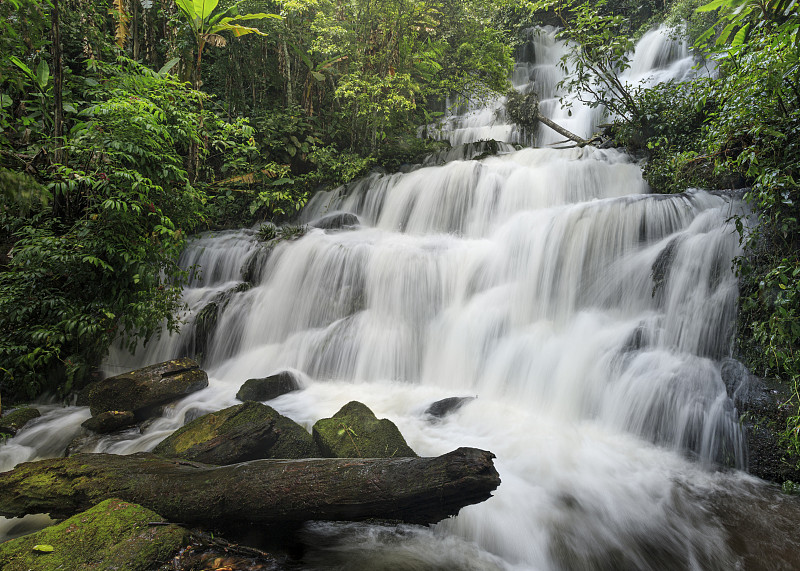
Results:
[587, 316]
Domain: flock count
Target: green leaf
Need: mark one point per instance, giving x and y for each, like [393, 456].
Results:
[713, 5]
[42, 74]
[165, 69]
[187, 6]
[740, 36]
[204, 8]
[28, 71]
[43, 548]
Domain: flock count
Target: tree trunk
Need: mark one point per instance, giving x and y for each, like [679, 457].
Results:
[289, 95]
[412, 490]
[61, 199]
[561, 130]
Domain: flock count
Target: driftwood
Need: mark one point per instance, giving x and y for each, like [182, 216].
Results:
[412, 490]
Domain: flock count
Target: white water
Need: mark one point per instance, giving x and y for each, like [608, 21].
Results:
[658, 57]
[587, 317]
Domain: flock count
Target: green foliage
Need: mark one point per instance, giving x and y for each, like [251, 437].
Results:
[339, 167]
[20, 194]
[522, 108]
[207, 23]
[104, 267]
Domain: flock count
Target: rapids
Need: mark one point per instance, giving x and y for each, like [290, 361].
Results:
[588, 317]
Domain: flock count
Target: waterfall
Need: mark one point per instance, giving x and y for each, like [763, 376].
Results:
[588, 317]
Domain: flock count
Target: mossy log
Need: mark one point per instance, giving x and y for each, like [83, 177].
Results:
[411, 490]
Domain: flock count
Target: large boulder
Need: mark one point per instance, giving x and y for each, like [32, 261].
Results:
[355, 432]
[336, 221]
[110, 421]
[13, 421]
[249, 431]
[268, 388]
[143, 390]
[112, 535]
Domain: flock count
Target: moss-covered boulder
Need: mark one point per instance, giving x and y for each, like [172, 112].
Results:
[248, 431]
[268, 388]
[110, 421]
[12, 422]
[143, 390]
[112, 535]
[294, 441]
[355, 432]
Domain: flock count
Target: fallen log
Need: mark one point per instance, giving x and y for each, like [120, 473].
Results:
[411, 490]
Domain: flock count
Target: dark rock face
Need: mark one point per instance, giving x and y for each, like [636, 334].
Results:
[110, 421]
[355, 432]
[249, 431]
[12, 422]
[112, 535]
[764, 417]
[661, 268]
[268, 388]
[142, 390]
[336, 221]
[443, 407]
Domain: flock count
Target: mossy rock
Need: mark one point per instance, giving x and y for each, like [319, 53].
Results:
[12, 422]
[294, 441]
[143, 390]
[248, 431]
[110, 421]
[355, 432]
[112, 535]
[268, 388]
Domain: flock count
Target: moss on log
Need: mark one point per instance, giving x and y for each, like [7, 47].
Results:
[412, 490]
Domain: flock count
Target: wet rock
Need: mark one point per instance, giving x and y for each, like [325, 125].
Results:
[236, 434]
[443, 407]
[268, 388]
[355, 432]
[89, 441]
[205, 325]
[294, 441]
[248, 431]
[638, 340]
[761, 407]
[12, 422]
[337, 221]
[112, 535]
[659, 272]
[251, 269]
[110, 421]
[143, 390]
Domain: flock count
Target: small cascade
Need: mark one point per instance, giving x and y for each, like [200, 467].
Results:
[589, 317]
[659, 56]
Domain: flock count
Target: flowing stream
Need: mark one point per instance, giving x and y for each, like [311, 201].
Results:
[587, 316]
